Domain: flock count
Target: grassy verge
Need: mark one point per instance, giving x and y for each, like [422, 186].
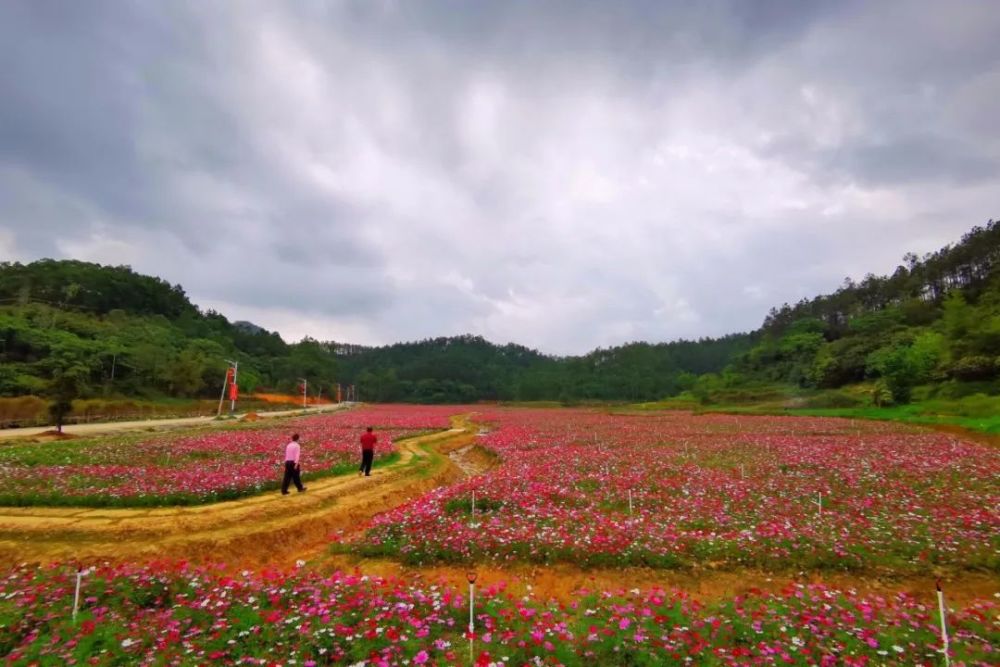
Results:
[977, 412]
[915, 413]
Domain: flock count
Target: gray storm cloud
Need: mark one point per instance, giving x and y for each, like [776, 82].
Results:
[565, 175]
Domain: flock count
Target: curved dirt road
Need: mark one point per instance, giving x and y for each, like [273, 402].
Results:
[103, 428]
[266, 529]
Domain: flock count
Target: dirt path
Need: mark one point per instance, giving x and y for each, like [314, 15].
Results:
[267, 529]
[102, 428]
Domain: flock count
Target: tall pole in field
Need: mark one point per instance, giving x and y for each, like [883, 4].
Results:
[222, 395]
[305, 388]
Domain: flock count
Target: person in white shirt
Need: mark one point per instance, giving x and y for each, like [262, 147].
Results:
[293, 466]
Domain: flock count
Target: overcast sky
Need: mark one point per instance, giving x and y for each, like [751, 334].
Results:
[565, 175]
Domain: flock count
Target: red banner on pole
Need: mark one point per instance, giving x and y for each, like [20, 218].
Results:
[234, 390]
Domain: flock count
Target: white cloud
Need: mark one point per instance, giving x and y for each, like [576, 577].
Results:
[565, 176]
[8, 246]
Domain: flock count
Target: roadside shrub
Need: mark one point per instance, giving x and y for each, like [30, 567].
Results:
[973, 367]
[22, 410]
[976, 405]
[833, 399]
[953, 389]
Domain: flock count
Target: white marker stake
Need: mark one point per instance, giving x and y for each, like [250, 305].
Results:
[76, 595]
[944, 625]
[742, 473]
[473, 524]
[471, 576]
[630, 501]
[472, 607]
[819, 502]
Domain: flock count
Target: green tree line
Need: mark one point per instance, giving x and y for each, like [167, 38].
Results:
[934, 322]
[76, 328]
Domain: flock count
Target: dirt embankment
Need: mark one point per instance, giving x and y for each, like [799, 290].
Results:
[564, 581]
[267, 529]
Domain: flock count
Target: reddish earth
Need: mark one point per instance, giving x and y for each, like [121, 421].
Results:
[561, 581]
[291, 399]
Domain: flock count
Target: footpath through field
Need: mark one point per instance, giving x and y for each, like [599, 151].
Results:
[270, 530]
[263, 530]
[103, 428]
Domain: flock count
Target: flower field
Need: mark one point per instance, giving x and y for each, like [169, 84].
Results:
[575, 486]
[175, 615]
[675, 490]
[215, 464]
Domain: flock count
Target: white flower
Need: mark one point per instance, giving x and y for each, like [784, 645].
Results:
[128, 642]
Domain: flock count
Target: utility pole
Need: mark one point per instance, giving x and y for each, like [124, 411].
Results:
[305, 388]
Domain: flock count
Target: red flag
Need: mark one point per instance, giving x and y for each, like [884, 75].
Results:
[234, 390]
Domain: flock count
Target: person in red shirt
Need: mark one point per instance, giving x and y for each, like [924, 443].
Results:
[368, 440]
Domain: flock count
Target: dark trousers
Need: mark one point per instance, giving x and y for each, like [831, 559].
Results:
[367, 456]
[292, 474]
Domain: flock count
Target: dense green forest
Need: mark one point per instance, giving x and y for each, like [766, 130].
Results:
[80, 329]
[468, 368]
[932, 326]
[111, 331]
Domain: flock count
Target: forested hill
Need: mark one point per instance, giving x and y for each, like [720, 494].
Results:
[468, 367]
[114, 332]
[933, 324]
